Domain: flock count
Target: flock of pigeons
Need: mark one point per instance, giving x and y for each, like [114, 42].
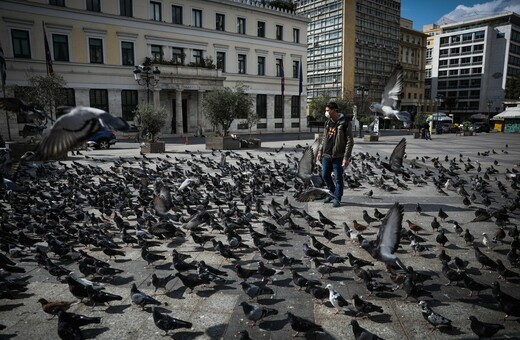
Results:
[71, 219]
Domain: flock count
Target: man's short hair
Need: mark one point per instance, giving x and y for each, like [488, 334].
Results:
[332, 105]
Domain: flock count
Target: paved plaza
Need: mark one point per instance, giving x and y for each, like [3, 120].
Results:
[215, 311]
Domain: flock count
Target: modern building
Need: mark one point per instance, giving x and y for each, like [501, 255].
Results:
[197, 45]
[412, 57]
[471, 62]
[352, 44]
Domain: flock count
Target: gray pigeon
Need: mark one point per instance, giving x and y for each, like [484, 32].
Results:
[256, 313]
[390, 98]
[433, 318]
[336, 299]
[141, 299]
[254, 291]
[307, 162]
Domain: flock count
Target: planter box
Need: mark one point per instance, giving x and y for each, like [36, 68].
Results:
[222, 143]
[250, 143]
[371, 138]
[416, 135]
[467, 133]
[155, 147]
[19, 149]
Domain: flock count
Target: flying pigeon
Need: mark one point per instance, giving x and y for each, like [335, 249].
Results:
[390, 98]
[75, 127]
[25, 112]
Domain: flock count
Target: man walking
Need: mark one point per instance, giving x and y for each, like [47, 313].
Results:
[335, 152]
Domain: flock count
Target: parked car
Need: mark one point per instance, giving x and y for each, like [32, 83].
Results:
[480, 127]
[102, 139]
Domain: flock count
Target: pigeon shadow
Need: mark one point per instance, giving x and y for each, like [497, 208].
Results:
[92, 333]
[386, 295]
[9, 336]
[117, 309]
[450, 330]
[10, 307]
[217, 331]
[339, 242]
[381, 318]
[283, 283]
[164, 266]
[118, 280]
[453, 246]
[186, 335]
[273, 325]
[269, 302]
[177, 293]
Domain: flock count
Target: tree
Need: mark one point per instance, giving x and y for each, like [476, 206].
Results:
[513, 88]
[251, 120]
[451, 102]
[318, 104]
[223, 106]
[46, 91]
[150, 119]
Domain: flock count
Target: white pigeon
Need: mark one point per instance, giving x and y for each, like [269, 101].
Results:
[336, 299]
[187, 182]
[490, 244]
[74, 128]
[390, 98]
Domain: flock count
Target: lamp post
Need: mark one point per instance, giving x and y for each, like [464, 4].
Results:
[145, 76]
[438, 101]
[363, 91]
[489, 104]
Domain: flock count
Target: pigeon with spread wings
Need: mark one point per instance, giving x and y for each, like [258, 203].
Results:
[25, 112]
[388, 108]
[307, 164]
[73, 128]
[388, 237]
[395, 163]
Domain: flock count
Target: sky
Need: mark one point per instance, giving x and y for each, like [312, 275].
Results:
[423, 12]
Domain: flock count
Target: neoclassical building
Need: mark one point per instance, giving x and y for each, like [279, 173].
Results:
[198, 46]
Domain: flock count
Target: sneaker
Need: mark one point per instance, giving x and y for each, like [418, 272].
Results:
[336, 203]
[328, 199]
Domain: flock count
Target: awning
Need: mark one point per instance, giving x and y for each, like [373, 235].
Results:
[439, 117]
[479, 116]
[510, 112]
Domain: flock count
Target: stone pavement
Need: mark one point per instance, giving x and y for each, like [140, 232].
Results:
[215, 311]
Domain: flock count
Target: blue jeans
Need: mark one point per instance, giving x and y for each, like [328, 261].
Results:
[330, 165]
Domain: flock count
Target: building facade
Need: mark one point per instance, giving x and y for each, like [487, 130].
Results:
[412, 57]
[352, 44]
[198, 45]
[471, 62]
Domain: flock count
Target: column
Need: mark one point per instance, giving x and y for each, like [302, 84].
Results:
[287, 119]
[178, 111]
[201, 118]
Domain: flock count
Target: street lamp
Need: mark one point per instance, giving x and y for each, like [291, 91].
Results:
[489, 104]
[363, 91]
[145, 76]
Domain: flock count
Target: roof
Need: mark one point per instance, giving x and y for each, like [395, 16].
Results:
[510, 112]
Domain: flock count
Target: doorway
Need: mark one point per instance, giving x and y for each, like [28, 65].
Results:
[184, 117]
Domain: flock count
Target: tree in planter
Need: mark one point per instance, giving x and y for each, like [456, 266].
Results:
[250, 121]
[223, 106]
[318, 104]
[150, 120]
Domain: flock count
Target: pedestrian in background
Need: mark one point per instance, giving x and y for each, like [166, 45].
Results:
[427, 134]
[335, 152]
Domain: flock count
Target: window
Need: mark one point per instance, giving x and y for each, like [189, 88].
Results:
[261, 105]
[127, 53]
[455, 39]
[241, 25]
[296, 69]
[453, 72]
[279, 67]
[454, 62]
[57, 3]
[443, 63]
[261, 29]
[455, 50]
[126, 8]
[296, 35]
[197, 57]
[478, 48]
[157, 52]
[278, 106]
[128, 104]
[155, 11]
[177, 55]
[443, 52]
[466, 49]
[221, 61]
[467, 37]
[465, 60]
[220, 22]
[67, 98]
[196, 18]
[476, 70]
[60, 46]
[445, 40]
[443, 73]
[99, 99]
[261, 66]
[477, 59]
[501, 35]
[464, 71]
[295, 106]
[21, 44]
[479, 35]
[93, 6]
[242, 63]
[279, 32]
[95, 47]
[177, 15]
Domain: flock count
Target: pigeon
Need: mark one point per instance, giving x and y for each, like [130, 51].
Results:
[25, 112]
[160, 282]
[307, 162]
[100, 296]
[442, 215]
[395, 162]
[141, 299]
[367, 218]
[484, 260]
[256, 313]
[75, 127]
[486, 241]
[468, 237]
[432, 317]
[507, 303]
[353, 261]
[300, 324]
[441, 238]
[435, 224]
[167, 323]
[388, 238]
[361, 333]
[336, 299]
[364, 307]
[301, 281]
[473, 285]
[507, 274]
[484, 329]
[254, 291]
[52, 307]
[77, 320]
[390, 98]
[312, 194]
